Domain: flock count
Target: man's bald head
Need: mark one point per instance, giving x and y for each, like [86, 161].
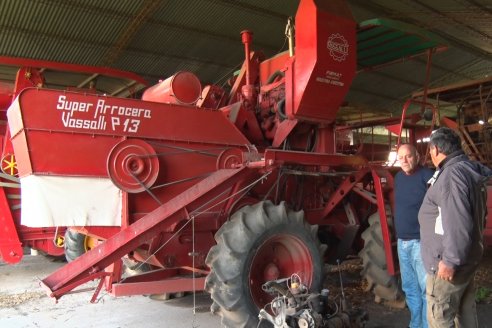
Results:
[408, 157]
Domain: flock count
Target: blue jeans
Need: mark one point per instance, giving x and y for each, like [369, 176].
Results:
[413, 277]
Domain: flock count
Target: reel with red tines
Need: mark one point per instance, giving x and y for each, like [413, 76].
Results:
[133, 165]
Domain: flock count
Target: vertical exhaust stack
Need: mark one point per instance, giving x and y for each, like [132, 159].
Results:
[325, 60]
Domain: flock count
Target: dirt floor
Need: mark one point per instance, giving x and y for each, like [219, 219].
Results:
[382, 316]
[23, 304]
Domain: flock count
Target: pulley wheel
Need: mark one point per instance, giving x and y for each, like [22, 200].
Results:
[229, 158]
[133, 165]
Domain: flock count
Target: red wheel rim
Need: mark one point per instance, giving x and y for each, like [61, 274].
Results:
[280, 256]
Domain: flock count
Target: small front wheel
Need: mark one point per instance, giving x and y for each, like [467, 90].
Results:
[77, 244]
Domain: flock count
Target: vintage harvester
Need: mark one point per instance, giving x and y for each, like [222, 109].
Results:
[214, 190]
[18, 74]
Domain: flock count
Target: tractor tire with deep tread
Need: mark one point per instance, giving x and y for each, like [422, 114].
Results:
[74, 245]
[256, 239]
[384, 286]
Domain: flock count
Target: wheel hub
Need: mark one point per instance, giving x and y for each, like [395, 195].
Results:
[271, 272]
[278, 257]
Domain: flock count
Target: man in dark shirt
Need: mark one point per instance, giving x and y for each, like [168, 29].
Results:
[452, 219]
[410, 189]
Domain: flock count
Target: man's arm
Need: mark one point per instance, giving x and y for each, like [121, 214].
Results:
[457, 222]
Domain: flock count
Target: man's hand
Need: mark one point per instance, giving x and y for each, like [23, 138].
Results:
[444, 272]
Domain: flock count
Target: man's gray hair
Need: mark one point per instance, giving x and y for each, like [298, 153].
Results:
[446, 140]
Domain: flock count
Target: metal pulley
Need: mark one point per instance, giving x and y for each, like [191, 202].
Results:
[229, 158]
[133, 165]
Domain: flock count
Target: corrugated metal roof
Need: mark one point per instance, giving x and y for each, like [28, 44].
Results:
[203, 36]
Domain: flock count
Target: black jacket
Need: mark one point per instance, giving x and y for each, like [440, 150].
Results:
[449, 229]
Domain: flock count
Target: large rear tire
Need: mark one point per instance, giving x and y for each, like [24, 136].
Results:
[384, 286]
[260, 243]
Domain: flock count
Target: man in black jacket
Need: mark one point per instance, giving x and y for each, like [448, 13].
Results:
[452, 218]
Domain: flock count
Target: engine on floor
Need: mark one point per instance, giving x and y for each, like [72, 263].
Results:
[295, 307]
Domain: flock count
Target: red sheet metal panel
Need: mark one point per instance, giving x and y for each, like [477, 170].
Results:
[10, 245]
[81, 121]
[325, 60]
[91, 114]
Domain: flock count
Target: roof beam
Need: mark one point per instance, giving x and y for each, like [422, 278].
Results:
[447, 17]
[185, 29]
[87, 80]
[480, 6]
[113, 53]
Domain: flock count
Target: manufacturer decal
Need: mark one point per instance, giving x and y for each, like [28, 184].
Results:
[96, 115]
[338, 47]
[333, 78]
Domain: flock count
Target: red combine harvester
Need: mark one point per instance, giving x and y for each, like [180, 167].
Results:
[26, 73]
[219, 190]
